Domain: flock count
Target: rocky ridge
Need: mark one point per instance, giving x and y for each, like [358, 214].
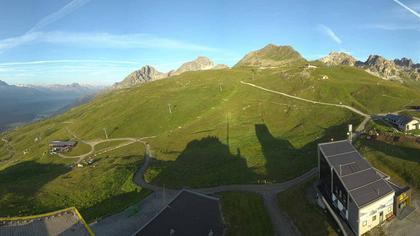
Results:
[148, 73]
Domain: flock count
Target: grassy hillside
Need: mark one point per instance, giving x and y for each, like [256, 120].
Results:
[307, 215]
[245, 214]
[271, 56]
[219, 131]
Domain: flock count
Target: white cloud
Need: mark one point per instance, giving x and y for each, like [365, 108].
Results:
[33, 33]
[392, 27]
[62, 12]
[101, 40]
[410, 9]
[330, 33]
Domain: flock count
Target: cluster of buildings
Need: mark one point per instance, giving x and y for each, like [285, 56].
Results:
[359, 194]
[403, 123]
[55, 147]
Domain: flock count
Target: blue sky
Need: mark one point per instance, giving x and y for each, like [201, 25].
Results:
[101, 41]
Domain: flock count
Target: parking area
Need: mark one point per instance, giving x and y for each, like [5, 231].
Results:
[409, 226]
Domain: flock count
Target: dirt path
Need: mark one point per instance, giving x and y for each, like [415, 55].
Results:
[361, 126]
[93, 143]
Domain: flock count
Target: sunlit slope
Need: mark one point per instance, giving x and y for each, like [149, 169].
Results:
[210, 129]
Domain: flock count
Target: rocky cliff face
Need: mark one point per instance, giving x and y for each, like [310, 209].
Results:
[338, 58]
[201, 63]
[145, 74]
[398, 69]
[148, 73]
[271, 56]
[381, 67]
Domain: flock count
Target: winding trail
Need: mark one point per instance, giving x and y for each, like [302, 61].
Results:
[360, 127]
[93, 143]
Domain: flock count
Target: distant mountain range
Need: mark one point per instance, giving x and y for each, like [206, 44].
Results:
[398, 69]
[148, 73]
[24, 103]
[272, 56]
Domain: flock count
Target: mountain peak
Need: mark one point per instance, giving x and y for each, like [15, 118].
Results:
[144, 74]
[338, 58]
[200, 63]
[271, 56]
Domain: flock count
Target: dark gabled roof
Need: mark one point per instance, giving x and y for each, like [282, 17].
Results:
[399, 119]
[189, 213]
[358, 177]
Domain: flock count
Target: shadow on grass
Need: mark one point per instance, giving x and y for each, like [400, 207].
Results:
[403, 161]
[404, 153]
[114, 204]
[204, 162]
[284, 161]
[20, 183]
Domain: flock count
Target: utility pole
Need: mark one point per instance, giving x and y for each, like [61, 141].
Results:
[169, 107]
[106, 134]
[350, 133]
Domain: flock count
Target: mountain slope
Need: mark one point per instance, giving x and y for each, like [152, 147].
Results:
[271, 56]
[209, 130]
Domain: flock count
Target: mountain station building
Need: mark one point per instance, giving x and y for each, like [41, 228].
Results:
[362, 197]
[61, 146]
[403, 123]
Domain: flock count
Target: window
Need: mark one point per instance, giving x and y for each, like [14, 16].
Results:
[364, 223]
[374, 218]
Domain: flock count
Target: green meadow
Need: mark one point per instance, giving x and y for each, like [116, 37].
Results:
[210, 129]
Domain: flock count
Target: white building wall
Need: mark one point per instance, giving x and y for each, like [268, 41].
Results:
[412, 125]
[369, 215]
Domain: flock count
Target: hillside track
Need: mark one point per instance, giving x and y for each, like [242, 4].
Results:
[93, 143]
[359, 128]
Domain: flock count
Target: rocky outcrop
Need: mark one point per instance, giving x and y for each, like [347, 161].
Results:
[145, 74]
[381, 67]
[398, 69]
[148, 73]
[404, 62]
[201, 63]
[271, 56]
[338, 58]
[220, 66]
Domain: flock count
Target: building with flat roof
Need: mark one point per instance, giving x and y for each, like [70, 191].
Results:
[64, 222]
[61, 146]
[357, 192]
[189, 213]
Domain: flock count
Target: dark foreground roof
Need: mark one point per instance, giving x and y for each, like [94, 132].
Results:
[359, 178]
[189, 213]
[67, 222]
